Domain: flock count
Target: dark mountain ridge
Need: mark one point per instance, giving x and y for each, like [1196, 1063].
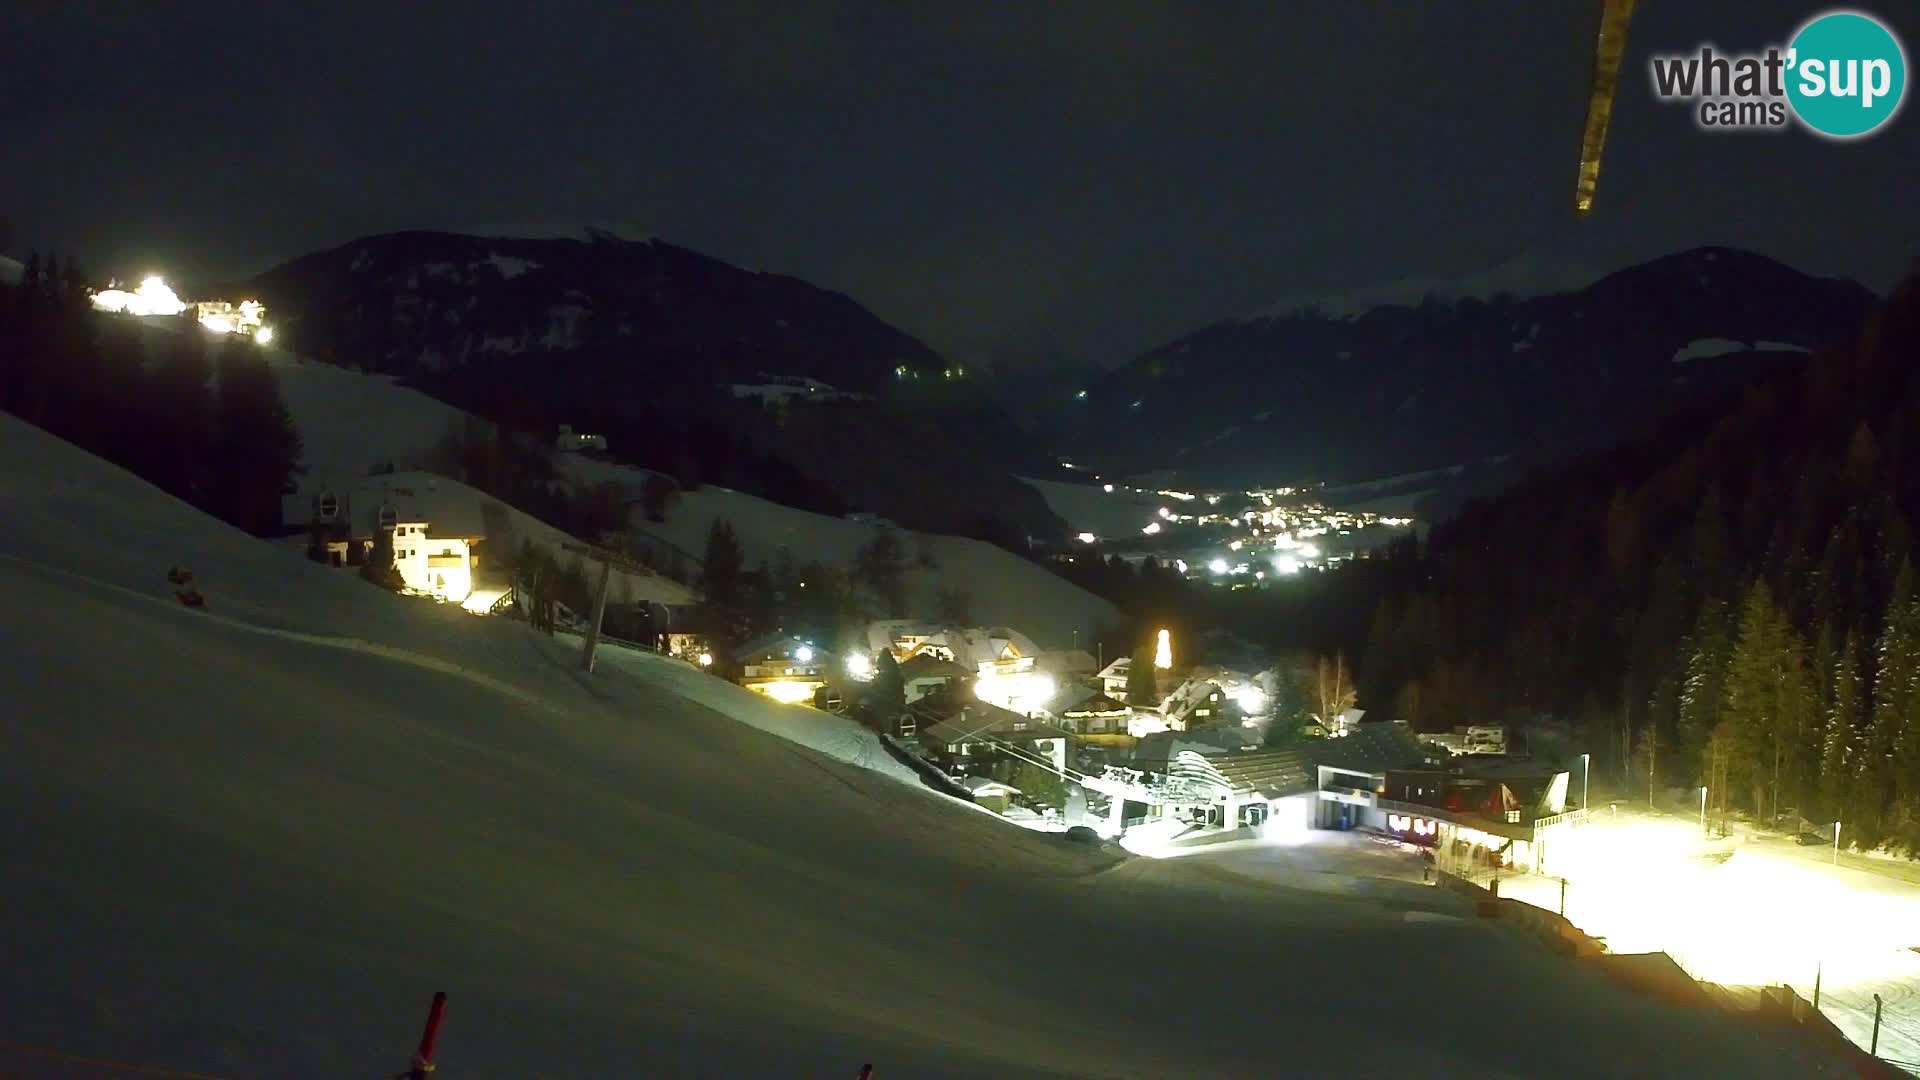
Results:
[1312, 396]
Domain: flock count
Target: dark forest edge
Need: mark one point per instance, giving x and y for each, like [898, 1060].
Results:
[1728, 602]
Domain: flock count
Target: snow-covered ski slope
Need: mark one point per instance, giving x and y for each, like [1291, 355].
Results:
[252, 841]
[1001, 588]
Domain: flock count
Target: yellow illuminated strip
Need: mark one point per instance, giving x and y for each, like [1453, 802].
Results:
[1606, 77]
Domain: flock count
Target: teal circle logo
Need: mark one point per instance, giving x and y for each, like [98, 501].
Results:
[1847, 74]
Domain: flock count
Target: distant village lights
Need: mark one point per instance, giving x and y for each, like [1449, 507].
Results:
[1087, 538]
[706, 659]
[1152, 528]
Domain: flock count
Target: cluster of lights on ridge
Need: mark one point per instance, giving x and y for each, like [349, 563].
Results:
[154, 298]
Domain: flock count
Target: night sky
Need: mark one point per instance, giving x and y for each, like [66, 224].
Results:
[1006, 180]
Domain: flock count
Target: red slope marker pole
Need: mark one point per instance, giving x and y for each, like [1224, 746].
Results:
[423, 1058]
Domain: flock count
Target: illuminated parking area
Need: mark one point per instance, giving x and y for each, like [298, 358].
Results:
[1744, 913]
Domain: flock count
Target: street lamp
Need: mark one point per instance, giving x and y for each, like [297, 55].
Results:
[1836, 843]
[1703, 809]
[1586, 776]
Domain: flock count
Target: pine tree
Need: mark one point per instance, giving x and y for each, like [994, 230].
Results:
[887, 694]
[379, 568]
[1838, 752]
[1769, 703]
[256, 448]
[1143, 683]
[1703, 684]
[881, 564]
[1886, 794]
[723, 603]
[181, 401]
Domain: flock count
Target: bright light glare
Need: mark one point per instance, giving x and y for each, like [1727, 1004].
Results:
[1746, 917]
[1108, 488]
[1151, 529]
[788, 693]
[1163, 650]
[1287, 565]
[1251, 699]
[1166, 514]
[151, 298]
[1218, 566]
[219, 324]
[1086, 538]
[803, 654]
[1020, 691]
[706, 659]
[860, 665]
[1309, 551]
[263, 335]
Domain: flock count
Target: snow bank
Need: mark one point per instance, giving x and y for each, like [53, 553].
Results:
[254, 844]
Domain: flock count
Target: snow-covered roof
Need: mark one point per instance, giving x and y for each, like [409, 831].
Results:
[986, 785]
[1085, 701]
[926, 666]
[448, 509]
[1117, 669]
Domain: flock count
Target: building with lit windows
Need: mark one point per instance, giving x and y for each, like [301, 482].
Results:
[1477, 815]
[434, 539]
[785, 668]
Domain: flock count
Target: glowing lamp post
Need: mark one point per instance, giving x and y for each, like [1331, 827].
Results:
[1836, 843]
[1586, 779]
[1703, 809]
[1163, 651]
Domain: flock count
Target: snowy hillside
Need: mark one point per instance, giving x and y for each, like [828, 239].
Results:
[252, 841]
[1001, 587]
[350, 422]
[10, 270]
